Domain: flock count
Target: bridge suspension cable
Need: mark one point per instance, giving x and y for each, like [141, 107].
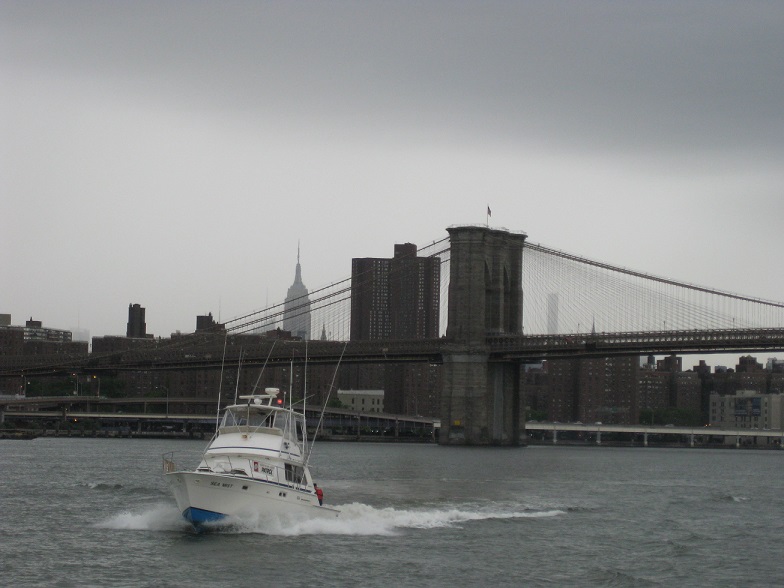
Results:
[566, 293]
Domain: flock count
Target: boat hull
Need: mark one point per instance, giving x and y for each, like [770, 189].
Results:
[210, 497]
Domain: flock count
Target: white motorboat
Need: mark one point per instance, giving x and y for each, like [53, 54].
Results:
[256, 464]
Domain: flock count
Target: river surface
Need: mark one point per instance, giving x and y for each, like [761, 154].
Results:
[95, 512]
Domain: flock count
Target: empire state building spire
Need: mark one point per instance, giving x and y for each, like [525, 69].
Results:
[296, 309]
[298, 272]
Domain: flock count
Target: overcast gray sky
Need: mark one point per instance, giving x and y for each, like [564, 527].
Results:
[172, 154]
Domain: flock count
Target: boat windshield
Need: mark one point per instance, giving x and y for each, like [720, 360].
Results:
[242, 417]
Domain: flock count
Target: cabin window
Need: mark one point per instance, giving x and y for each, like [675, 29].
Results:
[230, 419]
[260, 419]
[252, 418]
[300, 435]
[294, 473]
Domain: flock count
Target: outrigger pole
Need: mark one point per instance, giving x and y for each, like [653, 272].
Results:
[237, 384]
[305, 398]
[324, 407]
[256, 384]
[220, 384]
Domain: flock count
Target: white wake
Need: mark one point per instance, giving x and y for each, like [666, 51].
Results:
[354, 519]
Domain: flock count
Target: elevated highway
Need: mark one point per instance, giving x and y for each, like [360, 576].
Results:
[691, 434]
[142, 415]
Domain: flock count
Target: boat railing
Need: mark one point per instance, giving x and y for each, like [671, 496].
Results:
[168, 463]
[242, 467]
[250, 429]
[246, 467]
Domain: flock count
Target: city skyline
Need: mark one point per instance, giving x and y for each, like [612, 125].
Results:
[296, 315]
[147, 169]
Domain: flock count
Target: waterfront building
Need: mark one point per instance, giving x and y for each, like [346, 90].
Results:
[534, 386]
[395, 298]
[747, 409]
[607, 389]
[776, 383]
[558, 388]
[653, 390]
[745, 376]
[296, 308]
[751, 374]
[748, 364]
[612, 390]
[362, 400]
[687, 392]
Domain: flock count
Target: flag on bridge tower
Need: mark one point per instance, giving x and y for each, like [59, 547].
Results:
[489, 214]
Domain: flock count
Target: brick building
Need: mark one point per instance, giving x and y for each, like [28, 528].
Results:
[395, 298]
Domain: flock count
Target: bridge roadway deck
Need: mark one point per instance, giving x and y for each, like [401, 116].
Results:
[196, 353]
[635, 343]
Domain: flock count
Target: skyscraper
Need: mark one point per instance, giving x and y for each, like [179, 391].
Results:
[395, 298]
[296, 309]
[137, 328]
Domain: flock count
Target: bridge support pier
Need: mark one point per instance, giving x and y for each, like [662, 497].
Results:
[467, 417]
[645, 439]
[598, 437]
[480, 395]
[691, 440]
[555, 436]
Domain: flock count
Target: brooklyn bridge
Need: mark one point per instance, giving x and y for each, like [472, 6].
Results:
[505, 303]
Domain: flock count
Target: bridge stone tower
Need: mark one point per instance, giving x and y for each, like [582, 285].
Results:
[480, 402]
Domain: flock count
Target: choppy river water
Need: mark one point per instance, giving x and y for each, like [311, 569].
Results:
[95, 512]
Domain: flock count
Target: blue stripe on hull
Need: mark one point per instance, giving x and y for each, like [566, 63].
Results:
[197, 516]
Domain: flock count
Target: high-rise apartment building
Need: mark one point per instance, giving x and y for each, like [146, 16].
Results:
[296, 308]
[137, 328]
[35, 331]
[395, 298]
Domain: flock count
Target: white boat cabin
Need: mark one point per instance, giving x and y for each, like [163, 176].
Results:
[262, 440]
[263, 413]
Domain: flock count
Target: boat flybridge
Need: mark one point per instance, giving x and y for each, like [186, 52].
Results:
[255, 465]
